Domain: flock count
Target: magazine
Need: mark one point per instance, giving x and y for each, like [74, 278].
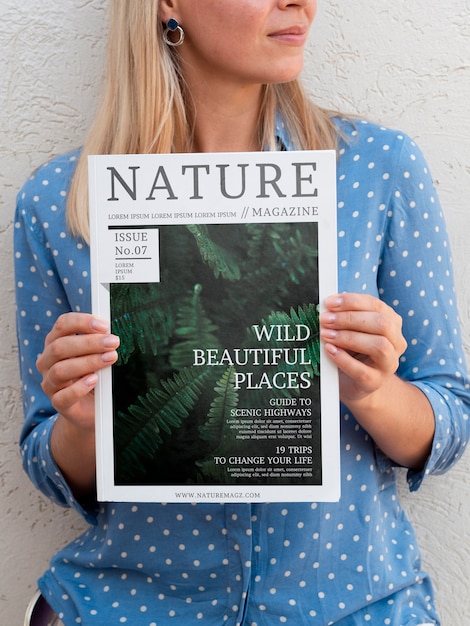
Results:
[212, 269]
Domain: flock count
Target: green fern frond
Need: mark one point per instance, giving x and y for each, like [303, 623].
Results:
[306, 315]
[209, 473]
[142, 318]
[298, 253]
[219, 259]
[279, 266]
[138, 433]
[309, 316]
[226, 398]
[193, 330]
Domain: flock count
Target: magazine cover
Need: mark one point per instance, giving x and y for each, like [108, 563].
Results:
[212, 269]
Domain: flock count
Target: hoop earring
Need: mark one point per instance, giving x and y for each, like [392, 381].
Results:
[171, 27]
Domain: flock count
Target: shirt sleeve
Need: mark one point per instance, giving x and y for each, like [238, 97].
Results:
[41, 299]
[416, 279]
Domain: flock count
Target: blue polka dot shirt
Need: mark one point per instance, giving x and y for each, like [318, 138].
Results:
[349, 563]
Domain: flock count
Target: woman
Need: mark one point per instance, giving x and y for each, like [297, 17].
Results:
[222, 76]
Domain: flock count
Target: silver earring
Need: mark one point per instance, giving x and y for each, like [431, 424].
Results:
[171, 27]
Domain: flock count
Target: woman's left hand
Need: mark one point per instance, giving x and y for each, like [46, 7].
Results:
[363, 337]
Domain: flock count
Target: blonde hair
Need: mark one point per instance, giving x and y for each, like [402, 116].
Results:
[146, 109]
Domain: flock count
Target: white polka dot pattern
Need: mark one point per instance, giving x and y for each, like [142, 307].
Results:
[348, 564]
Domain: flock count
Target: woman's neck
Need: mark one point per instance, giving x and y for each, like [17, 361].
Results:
[227, 120]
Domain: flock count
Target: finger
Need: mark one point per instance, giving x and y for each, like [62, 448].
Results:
[379, 319]
[75, 324]
[374, 350]
[356, 302]
[73, 346]
[66, 372]
[363, 321]
[77, 398]
[364, 378]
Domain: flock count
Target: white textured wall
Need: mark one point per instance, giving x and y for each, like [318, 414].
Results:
[406, 64]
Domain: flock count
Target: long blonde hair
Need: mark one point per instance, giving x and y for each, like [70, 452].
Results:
[145, 108]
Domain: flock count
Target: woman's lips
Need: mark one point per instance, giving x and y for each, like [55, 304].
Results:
[295, 35]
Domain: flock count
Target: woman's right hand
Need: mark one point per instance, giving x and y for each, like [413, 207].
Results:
[77, 347]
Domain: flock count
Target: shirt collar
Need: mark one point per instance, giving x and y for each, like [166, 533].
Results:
[282, 136]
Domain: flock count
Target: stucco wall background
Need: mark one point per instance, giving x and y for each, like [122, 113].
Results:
[406, 64]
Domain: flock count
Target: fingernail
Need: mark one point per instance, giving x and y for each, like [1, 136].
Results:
[91, 380]
[110, 341]
[109, 357]
[328, 333]
[334, 302]
[328, 318]
[99, 324]
[331, 349]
